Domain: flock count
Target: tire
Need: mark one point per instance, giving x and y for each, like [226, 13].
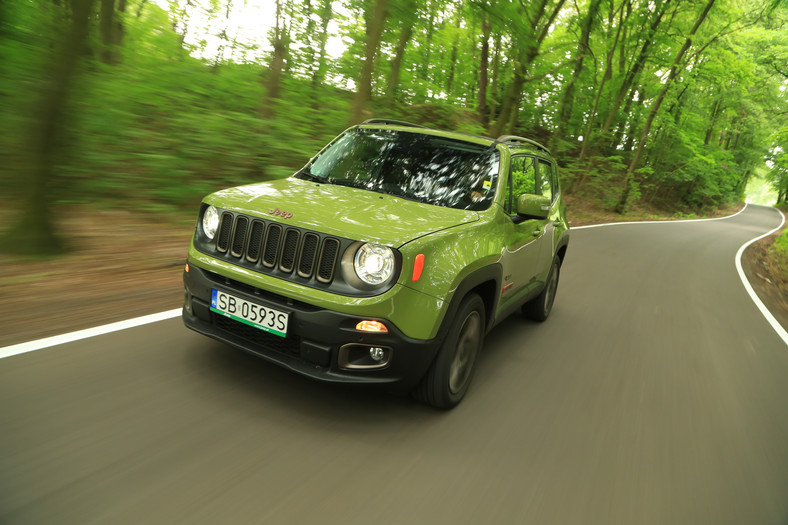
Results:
[539, 307]
[446, 382]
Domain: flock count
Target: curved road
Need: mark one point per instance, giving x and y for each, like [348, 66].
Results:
[656, 393]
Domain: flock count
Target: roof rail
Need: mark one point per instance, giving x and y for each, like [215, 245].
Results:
[392, 122]
[515, 138]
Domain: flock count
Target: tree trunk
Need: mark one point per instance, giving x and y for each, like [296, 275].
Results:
[392, 87]
[424, 70]
[510, 102]
[319, 74]
[481, 105]
[715, 111]
[374, 21]
[634, 118]
[274, 80]
[287, 56]
[111, 30]
[35, 233]
[634, 72]
[592, 116]
[623, 201]
[453, 59]
[507, 118]
[568, 96]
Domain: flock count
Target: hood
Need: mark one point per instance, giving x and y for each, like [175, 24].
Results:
[340, 210]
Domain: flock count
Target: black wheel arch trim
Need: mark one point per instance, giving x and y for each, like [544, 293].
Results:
[492, 273]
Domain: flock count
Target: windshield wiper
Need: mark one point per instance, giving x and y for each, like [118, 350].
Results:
[347, 182]
[305, 175]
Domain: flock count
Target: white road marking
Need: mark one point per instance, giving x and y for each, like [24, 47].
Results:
[39, 344]
[658, 222]
[747, 286]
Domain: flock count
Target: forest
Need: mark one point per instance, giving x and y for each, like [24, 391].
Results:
[673, 104]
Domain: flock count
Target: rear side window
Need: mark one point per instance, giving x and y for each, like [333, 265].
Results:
[545, 179]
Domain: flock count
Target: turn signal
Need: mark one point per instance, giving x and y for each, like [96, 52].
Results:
[418, 267]
[371, 326]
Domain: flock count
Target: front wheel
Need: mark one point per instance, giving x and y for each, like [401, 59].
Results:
[539, 307]
[447, 380]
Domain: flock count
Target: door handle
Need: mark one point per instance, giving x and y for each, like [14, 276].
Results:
[538, 231]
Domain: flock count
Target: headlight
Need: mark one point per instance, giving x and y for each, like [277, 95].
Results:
[210, 221]
[374, 263]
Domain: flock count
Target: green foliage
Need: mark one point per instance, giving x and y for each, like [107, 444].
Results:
[168, 123]
[778, 253]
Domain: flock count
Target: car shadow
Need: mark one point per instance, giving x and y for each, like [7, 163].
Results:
[250, 379]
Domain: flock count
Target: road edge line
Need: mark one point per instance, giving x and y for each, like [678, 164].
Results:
[70, 337]
[750, 290]
[659, 222]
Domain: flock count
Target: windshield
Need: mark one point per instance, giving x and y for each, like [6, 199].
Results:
[425, 168]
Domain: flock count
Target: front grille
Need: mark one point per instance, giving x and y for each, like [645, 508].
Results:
[270, 248]
[289, 345]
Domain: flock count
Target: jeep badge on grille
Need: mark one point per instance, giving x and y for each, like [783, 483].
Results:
[280, 213]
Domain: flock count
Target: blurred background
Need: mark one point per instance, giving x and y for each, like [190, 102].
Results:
[651, 107]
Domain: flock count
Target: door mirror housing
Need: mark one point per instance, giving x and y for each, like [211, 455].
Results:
[533, 206]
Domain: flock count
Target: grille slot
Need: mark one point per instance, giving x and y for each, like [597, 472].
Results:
[306, 260]
[272, 245]
[225, 229]
[328, 260]
[289, 248]
[239, 235]
[255, 239]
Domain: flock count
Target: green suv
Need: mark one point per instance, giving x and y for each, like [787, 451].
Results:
[385, 260]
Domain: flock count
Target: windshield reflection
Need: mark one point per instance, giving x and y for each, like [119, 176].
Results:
[424, 168]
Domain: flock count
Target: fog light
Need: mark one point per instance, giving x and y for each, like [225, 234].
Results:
[358, 356]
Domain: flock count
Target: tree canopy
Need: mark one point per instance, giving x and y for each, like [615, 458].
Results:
[668, 102]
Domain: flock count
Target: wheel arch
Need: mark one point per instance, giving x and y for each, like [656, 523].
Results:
[485, 282]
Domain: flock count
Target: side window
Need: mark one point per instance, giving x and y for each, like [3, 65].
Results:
[522, 180]
[544, 181]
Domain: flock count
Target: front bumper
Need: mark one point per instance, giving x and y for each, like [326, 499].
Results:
[321, 344]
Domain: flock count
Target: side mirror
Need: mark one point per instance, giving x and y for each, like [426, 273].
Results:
[534, 206]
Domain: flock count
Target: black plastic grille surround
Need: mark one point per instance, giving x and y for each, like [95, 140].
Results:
[272, 247]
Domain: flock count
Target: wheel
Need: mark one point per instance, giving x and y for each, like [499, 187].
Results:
[447, 380]
[539, 307]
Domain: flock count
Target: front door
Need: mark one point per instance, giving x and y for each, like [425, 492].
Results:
[524, 237]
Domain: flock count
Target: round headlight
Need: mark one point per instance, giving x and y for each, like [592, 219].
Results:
[210, 221]
[374, 263]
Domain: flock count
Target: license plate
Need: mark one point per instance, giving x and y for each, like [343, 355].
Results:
[241, 310]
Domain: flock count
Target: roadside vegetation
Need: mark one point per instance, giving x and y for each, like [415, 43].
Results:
[653, 106]
[778, 258]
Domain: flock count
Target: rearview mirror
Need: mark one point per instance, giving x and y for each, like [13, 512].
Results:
[534, 206]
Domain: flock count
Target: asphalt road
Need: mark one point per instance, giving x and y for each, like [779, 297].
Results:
[656, 393]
